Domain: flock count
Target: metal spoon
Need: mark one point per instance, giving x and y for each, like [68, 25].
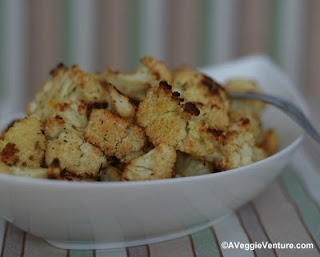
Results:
[289, 108]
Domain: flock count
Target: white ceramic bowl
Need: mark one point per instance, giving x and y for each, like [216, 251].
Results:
[108, 215]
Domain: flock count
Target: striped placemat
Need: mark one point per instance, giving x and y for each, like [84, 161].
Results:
[287, 212]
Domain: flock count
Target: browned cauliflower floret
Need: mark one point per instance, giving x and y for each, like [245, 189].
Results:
[111, 174]
[254, 107]
[66, 115]
[150, 73]
[114, 135]
[69, 152]
[208, 95]
[168, 120]
[23, 144]
[237, 146]
[67, 85]
[187, 166]
[157, 164]
[161, 115]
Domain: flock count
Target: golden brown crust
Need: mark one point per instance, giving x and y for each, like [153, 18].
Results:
[24, 143]
[69, 152]
[67, 85]
[209, 96]
[161, 115]
[114, 135]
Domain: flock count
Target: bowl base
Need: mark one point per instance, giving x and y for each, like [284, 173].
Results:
[104, 245]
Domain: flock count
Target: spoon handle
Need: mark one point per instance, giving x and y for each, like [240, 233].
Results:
[291, 109]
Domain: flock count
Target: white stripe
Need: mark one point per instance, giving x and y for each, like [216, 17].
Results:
[309, 173]
[292, 29]
[153, 26]
[84, 35]
[14, 58]
[2, 231]
[223, 36]
[228, 230]
[112, 253]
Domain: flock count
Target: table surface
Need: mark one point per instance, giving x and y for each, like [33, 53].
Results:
[287, 212]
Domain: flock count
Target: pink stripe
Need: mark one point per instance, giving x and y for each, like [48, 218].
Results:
[44, 38]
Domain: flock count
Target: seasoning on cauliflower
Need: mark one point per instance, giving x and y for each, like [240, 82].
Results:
[187, 166]
[114, 135]
[150, 73]
[67, 85]
[168, 120]
[157, 164]
[23, 144]
[161, 115]
[66, 115]
[71, 153]
[209, 97]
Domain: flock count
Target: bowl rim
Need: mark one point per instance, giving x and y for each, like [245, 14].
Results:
[290, 147]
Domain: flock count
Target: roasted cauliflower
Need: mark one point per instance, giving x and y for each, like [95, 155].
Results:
[151, 124]
[240, 85]
[115, 136]
[67, 85]
[208, 95]
[157, 164]
[187, 166]
[23, 144]
[149, 74]
[168, 120]
[70, 152]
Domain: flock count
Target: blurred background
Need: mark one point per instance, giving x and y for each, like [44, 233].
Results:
[37, 34]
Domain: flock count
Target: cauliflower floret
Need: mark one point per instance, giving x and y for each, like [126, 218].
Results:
[66, 115]
[161, 115]
[269, 142]
[24, 171]
[167, 120]
[207, 94]
[237, 146]
[150, 73]
[253, 107]
[111, 174]
[67, 85]
[157, 164]
[187, 166]
[114, 135]
[69, 152]
[23, 144]
[120, 104]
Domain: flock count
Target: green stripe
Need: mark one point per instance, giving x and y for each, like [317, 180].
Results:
[75, 253]
[66, 31]
[134, 45]
[308, 209]
[276, 12]
[205, 244]
[205, 32]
